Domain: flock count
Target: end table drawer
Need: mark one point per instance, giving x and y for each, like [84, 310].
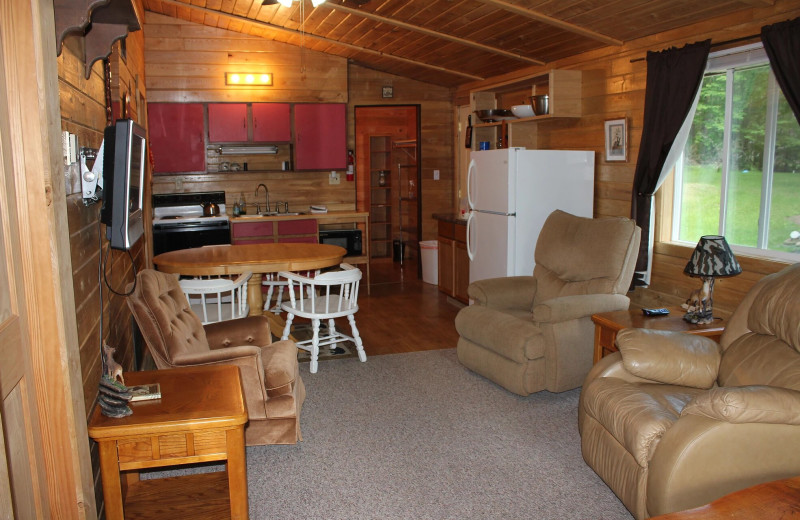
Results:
[170, 446]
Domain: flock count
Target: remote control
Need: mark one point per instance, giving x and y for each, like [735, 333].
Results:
[655, 312]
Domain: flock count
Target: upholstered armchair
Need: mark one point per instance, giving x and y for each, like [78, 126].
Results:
[533, 333]
[674, 421]
[175, 337]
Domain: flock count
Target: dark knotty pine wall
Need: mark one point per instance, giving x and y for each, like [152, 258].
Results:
[613, 88]
[83, 112]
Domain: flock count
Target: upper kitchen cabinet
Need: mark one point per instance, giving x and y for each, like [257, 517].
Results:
[227, 122]
[320, 136]
[271, 122]
[564, 91]
[231, 123]
[177, 137]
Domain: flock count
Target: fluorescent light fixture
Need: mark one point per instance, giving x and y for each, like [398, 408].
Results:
[317, 3]
[285, 3]
[247, 150]
[288, 3]
[247, 79]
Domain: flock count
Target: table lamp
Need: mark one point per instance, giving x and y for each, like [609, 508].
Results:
[712, 258]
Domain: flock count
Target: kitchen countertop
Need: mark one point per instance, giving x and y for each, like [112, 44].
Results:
[450, 217]
[305, 215]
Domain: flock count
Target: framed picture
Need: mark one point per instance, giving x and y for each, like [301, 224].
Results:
[617, 140]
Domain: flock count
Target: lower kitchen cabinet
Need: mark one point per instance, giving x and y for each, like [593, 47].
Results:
[453, 260]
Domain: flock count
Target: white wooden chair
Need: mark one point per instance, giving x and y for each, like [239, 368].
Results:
[217, 299]
[276, 285]
[335, 294]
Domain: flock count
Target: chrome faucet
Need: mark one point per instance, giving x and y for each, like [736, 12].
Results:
[266, 193]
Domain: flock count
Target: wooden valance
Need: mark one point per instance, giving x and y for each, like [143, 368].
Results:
[99, 22]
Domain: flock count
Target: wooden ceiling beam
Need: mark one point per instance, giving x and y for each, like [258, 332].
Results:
[429, 32]
[555, 22]
[357, 48]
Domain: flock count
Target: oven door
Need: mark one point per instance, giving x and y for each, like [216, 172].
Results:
[169, 236]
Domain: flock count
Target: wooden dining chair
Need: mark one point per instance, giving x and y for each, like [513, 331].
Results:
[330, 295]
[217, 299]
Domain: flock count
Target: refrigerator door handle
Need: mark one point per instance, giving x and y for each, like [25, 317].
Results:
[470, 169]
[470, 252]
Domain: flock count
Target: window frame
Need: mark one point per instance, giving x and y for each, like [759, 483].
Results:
[727, 61]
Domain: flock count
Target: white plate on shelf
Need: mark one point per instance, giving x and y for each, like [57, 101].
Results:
[522, 110]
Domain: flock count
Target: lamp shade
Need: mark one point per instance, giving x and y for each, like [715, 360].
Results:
[712, 257]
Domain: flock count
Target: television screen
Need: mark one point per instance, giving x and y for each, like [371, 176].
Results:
[123, 176]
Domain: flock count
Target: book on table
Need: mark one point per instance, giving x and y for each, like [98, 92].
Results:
[145, 392]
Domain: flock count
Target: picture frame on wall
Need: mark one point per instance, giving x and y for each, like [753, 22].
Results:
[616, 131]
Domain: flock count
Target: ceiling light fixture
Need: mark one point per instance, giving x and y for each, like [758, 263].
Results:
[247, 150]
[248, 79]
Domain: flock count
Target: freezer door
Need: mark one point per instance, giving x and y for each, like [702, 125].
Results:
[490, 245]
[489, 185]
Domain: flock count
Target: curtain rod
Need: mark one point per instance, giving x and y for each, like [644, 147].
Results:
[717, 44]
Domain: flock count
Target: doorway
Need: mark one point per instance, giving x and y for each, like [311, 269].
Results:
[388, 176]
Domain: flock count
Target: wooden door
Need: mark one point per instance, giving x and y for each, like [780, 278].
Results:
[22, 480]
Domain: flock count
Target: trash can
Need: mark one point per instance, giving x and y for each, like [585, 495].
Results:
[429, 253]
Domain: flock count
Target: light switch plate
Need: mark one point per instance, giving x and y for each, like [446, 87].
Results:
[436, 175]
[334, 178]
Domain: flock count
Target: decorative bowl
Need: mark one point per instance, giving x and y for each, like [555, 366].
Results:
[494, 114]
[522, 110]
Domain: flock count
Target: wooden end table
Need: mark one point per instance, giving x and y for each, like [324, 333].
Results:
[200, 418]
[608, 324]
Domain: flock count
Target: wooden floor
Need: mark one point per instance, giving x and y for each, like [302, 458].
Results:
[404, 314]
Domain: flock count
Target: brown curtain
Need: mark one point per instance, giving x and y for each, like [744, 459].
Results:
[782, 44]
[674, 77]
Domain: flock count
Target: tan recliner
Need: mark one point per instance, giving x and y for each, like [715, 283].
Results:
[273, 389]
[533, 333]
[674, 421]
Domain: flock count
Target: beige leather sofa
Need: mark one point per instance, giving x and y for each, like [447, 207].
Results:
[673, 421]
[273, 389]
[531, 333]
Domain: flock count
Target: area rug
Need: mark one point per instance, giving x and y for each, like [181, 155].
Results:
[418, 436]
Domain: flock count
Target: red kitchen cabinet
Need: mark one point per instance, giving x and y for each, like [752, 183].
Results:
[177, 137]
[271, 123]
[320, 136]
[227, 122]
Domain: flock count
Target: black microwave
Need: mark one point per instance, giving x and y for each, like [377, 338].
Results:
[349, 239]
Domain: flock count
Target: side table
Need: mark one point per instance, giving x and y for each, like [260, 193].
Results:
[608, 324]
[199, 418]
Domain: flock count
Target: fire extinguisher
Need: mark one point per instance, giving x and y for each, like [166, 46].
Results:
[351, 165]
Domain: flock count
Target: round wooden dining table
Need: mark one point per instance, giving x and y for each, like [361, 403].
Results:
[255, 258]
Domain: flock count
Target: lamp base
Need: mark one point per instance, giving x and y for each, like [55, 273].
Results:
[699, 317]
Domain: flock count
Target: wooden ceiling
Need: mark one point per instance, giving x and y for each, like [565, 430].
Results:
[451, 42]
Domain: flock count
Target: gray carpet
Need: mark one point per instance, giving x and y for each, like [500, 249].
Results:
[419, 436]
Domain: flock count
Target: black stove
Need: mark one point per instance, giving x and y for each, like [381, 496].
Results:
[179, 223]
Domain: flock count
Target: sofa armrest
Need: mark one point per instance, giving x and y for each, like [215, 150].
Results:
[566, 308]
[253, 330]
[669, 357]
[748, 404]
[512, 292]
[241, 355]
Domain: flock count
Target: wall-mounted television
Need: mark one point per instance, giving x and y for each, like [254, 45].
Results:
[123, 178]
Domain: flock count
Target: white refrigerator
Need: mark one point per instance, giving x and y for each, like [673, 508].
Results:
[511, 192]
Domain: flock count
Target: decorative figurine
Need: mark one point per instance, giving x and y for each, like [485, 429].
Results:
[114, 395]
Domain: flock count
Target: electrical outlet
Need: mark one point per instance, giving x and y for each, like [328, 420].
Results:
[179, 184]
[436, 175]
[334, 178]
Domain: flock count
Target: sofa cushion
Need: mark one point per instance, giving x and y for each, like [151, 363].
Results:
[756, 359]
[670, 357]
[509, 335]
[636, 414]
[776, 308]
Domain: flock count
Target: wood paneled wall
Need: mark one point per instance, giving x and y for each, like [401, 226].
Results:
[436, 135]
[614, 87]
[83, 112]
[186, 62]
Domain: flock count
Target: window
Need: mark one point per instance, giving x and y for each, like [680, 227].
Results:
[739, 175]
